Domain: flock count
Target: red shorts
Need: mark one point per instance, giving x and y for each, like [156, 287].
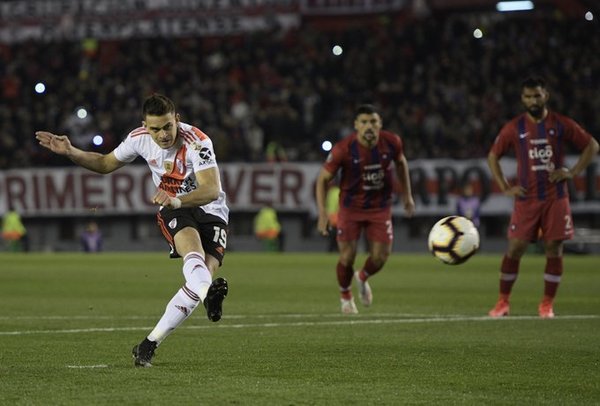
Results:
[377, 225]
[547, 220]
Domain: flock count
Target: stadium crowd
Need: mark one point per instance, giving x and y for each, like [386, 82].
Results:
[445, 91]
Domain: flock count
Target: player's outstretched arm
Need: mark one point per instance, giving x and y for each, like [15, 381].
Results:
[60, 144]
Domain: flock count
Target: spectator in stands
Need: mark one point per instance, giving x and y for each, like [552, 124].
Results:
[91, 238]
[14, 231]
[422, 73]
[468, 204]
[268, 229]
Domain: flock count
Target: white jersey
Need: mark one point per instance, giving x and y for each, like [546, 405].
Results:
[173, 169]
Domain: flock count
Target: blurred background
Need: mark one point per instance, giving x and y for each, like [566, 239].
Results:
[274, 84]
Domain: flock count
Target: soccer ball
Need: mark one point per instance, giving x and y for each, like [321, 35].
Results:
[453, 240]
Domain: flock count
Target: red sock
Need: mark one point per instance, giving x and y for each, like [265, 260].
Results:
[552, 276]
[508, 275]
[344, 277]
[369, 269]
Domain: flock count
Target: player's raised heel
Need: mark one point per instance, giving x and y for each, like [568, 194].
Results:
[214, 299]
[143, 353]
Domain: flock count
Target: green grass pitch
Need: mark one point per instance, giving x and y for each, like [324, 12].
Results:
[68, 322]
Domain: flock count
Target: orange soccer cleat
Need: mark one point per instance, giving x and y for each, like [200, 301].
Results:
[501, 309]
[545, 310]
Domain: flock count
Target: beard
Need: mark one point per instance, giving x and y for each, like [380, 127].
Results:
[536, 111]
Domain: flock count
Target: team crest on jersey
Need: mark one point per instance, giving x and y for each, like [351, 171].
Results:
[205, 155]
[168, 166]
[173, 224]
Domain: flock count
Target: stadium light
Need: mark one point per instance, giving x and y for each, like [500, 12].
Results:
[98, 140]
[40, 88]
[503, 6]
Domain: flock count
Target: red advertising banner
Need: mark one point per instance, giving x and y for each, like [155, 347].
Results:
[287, 186]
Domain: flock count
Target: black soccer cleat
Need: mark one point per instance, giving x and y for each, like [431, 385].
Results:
[143, 353]
[214, 299]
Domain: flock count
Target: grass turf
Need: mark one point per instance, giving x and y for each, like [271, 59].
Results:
[68, 322]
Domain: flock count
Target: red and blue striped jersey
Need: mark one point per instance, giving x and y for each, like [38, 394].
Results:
[366, 174]
[539, 149]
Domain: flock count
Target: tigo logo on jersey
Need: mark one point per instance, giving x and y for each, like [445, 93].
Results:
[543, 154]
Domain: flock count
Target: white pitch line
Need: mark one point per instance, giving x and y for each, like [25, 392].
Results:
[348, 321]
[87, 366]
[229, 316]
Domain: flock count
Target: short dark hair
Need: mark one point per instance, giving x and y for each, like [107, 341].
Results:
[533, 82]
[365, 109]
[157, 105]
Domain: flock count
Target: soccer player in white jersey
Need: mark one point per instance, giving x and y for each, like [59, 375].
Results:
[193, 214]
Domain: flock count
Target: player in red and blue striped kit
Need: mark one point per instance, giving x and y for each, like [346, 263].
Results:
[539, 139]
[367, 161]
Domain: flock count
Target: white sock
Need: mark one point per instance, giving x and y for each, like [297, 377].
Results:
[197, 276]
[179, 308]
[198, 279]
